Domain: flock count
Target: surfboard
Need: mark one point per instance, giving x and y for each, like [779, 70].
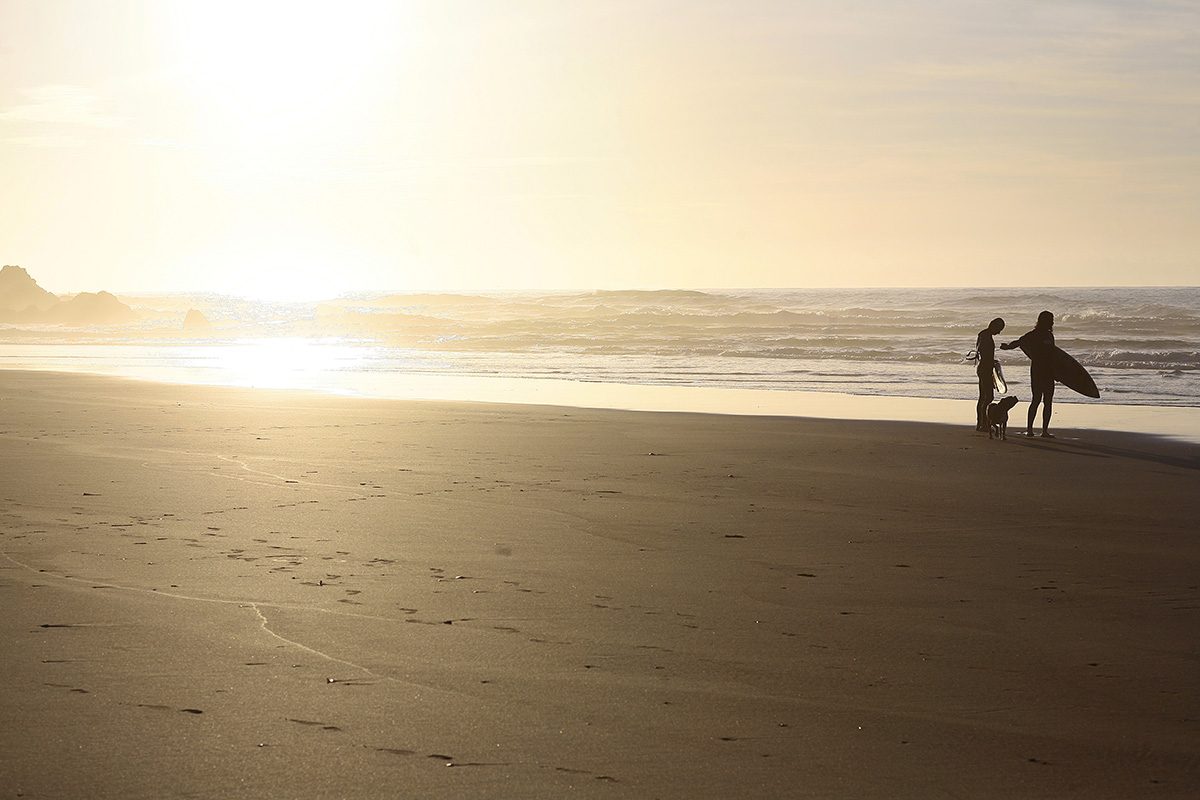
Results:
[1070, 373]
[998, 378]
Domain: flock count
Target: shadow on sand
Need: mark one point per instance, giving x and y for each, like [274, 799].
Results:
[1166, 451]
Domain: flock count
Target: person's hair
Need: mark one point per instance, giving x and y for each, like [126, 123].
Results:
[1045, 320]
[996, 325]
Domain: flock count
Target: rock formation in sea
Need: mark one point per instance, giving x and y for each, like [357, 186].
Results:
[19, 291]
[195, 320]
[23, 301]
[87, 308]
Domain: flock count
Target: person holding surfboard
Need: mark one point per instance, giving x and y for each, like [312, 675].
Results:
[985, 352]
[1039, 345]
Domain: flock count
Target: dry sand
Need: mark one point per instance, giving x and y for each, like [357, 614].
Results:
[236, 593]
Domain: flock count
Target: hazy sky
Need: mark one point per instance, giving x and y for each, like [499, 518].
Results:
[314, 148]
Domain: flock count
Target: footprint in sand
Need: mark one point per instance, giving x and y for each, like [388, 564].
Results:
[68, 688]
[156, 707]
[311, 723]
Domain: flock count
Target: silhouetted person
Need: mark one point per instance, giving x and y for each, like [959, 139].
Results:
[985, 347]
[1038, 344]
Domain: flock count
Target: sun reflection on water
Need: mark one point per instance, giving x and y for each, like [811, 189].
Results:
[286, 363]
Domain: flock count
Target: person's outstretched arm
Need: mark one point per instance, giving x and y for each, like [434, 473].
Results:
[1013, 345]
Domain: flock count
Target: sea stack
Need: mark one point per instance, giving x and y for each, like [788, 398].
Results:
[195, 321]
[92, 308]
[19, 291]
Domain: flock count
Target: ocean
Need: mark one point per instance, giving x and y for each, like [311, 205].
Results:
[1142, 345]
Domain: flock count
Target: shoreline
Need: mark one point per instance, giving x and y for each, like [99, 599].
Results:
[1177, 423]
[253, 593]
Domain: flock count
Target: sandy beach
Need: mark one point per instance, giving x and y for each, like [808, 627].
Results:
[215, 592]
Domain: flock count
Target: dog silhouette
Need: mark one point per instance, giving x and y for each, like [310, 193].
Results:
[997, 417]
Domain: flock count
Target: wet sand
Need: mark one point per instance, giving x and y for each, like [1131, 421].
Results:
[215, 592]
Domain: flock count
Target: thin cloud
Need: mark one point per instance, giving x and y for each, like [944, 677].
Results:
[46, 140]
[256, 169]
[61, 113]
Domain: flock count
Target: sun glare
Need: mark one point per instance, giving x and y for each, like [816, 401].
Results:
[286, 363]
[277, 263]
[284, 281]
[285, 87]
[276, 64]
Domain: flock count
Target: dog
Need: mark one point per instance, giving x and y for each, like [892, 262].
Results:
[997, 417]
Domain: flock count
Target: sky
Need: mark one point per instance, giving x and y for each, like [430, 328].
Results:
[296, 150]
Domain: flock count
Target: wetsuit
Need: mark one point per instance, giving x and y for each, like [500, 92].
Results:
[1038, 344]
[985, 345]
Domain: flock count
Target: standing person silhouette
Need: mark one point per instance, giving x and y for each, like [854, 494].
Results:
[1038, 344]
[985, 347]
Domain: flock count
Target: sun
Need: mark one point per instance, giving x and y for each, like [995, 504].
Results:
[283, 92]
[278, 64]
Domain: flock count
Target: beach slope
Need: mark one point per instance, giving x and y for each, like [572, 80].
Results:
[215, 592]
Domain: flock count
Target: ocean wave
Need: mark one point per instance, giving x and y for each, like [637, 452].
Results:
[1001, 301]
[1183, 360]
[1142, 344]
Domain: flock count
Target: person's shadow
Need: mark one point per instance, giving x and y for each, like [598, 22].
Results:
[1173, 453]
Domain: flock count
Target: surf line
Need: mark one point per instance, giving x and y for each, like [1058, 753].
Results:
[253, 471]
[265, 626]
[264, 623]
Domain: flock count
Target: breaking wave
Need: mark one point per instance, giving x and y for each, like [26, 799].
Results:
[1142, 345]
